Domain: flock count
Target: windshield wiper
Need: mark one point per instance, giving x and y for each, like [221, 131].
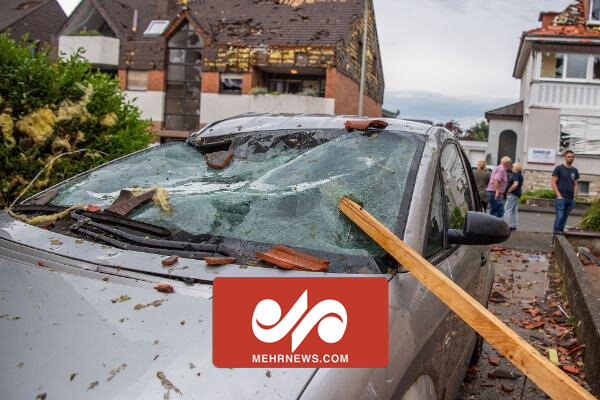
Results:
[121, 238]
[125, 222]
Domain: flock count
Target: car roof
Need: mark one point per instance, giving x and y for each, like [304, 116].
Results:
[269, 121]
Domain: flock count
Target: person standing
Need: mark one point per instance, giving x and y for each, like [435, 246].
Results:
[515, 184]
[482, 177]
[497, 186]
[564, 185]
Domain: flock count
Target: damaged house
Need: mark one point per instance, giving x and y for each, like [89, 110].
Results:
[559, 106]
[39, 19]
[189, 63]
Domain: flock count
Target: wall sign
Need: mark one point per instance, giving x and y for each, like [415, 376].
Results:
[541, 156]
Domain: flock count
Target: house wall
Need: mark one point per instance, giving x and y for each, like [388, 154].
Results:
[100, 50]
[497, 126]
[151, 103]
[216, 106]
[211, 82]
[345, 92]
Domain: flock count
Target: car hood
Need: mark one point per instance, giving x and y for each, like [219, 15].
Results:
[73, 324]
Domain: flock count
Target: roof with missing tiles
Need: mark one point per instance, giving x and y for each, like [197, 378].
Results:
[570, 22]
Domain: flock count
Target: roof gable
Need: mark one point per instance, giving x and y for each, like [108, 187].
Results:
[12, 11]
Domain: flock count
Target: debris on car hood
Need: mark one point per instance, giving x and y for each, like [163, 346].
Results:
[364, 124]
[288, 258]
[219, 260]
[45, 219]
[129, 200]
[218, 159]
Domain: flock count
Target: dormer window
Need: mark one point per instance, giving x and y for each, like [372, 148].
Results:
[595, 11]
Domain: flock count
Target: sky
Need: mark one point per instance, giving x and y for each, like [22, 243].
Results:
[449, 59]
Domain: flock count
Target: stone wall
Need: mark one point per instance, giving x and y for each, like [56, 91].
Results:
[533, 180]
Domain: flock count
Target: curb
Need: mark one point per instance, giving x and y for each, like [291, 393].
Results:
[546, 210]
[584, 300]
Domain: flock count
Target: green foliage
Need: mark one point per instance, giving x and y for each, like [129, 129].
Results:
[84, 33]
[537, 194]
[259, 90]
[49, 107]
[480, 131]
[591, 218]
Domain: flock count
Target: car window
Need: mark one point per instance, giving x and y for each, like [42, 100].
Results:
[282, 187]
[434, 242]
[456, 186]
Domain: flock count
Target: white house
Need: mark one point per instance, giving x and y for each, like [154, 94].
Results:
[559, 105]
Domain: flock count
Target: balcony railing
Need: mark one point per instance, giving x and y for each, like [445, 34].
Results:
[99, 50]
[565, 95]
[214, 107]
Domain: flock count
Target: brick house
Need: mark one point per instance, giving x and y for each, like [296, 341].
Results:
[40, 19]
[558, 64]
[189, 63]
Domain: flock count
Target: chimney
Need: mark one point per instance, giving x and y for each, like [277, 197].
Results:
[547, 18]
[135, 21]
[164, 8]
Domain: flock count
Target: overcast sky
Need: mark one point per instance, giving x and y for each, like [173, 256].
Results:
[449, 59]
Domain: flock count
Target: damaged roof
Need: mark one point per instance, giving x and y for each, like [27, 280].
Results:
[569, 27]
[570, 22]
[233, 22]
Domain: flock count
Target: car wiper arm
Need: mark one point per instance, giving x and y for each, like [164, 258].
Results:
[138, 243]
[126, 222]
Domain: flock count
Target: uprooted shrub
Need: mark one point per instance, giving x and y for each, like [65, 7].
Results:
[591, 218]
[52, 106]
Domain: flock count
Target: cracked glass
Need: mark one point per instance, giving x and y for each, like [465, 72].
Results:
[282, 187]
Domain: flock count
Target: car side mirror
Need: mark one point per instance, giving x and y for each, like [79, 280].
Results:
[480, 229]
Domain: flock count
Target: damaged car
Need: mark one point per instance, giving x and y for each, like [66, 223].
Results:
[106, 278]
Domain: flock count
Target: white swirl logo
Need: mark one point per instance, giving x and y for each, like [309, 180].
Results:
[268, 313]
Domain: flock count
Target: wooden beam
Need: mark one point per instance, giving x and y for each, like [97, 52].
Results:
[538, 368]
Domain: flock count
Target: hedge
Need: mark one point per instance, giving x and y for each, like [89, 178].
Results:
[50, 106]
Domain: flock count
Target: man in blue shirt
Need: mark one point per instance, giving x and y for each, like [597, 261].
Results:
[515, 186]
[564, 185]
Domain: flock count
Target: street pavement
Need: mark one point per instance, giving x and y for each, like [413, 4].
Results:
[528, 296]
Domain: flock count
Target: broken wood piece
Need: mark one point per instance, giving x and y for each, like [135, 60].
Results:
[44, 199]
[218, 159]
[555, 382]
[288, 258]
[167, 262]
[164, 288]
[127, 202]
[364, 124]
[219, 260]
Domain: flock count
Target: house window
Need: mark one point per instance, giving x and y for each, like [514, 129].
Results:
[137, 80]
[577, 66]
[595, 10]
[552, 65]
[580, 134]
[564, 66]
[584, 187]
[231, 83]
[596, 67]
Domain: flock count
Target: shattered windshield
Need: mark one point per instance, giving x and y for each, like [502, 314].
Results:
[281, 187]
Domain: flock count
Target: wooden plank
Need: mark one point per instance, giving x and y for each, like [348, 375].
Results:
[538, 368]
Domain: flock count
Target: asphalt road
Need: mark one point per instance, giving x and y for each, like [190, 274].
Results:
[540, 222]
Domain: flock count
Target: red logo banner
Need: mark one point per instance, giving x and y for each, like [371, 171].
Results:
[300, 322]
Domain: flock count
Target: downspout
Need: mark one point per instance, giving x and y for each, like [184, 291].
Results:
[363, 65]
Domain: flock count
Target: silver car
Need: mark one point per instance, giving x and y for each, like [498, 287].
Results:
[79, 315]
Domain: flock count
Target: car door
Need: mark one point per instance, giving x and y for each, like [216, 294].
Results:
[452, 198]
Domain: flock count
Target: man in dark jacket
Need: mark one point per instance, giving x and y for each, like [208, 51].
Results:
[564, 185]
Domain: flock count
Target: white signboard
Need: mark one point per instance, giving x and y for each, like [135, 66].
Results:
[541, 156]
